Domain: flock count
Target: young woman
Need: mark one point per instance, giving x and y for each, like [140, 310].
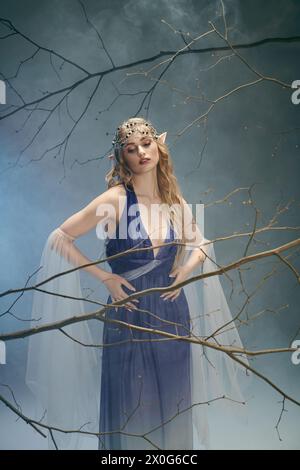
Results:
[152, 389]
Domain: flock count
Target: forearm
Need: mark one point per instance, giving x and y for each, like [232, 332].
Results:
[64, 246]
[197, 256]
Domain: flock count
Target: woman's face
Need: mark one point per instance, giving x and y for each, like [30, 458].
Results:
[141, 153]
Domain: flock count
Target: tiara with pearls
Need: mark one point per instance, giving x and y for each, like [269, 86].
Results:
[119, 140]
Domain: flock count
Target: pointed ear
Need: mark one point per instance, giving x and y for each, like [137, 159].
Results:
[162, 137]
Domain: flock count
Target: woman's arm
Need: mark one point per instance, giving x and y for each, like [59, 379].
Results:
[194, 240]
[79, 224]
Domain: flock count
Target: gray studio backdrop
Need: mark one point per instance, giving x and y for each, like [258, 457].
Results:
[248, 133]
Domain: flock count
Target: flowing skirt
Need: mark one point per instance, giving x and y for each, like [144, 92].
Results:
[145, 384]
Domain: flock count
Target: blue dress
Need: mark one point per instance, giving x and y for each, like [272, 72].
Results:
[145, 400]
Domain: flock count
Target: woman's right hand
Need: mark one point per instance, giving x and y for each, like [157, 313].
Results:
[114, 284]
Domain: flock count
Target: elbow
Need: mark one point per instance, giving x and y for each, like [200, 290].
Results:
[63, 233]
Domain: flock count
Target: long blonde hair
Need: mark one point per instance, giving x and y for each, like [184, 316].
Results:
[169, 190]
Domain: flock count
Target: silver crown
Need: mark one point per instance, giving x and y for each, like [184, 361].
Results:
[119, 141]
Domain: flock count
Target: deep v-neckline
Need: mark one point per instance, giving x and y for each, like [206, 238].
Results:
[145, 231]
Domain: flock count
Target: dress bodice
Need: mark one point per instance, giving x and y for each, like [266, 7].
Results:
[131, 234]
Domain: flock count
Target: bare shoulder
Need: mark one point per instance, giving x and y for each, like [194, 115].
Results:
[183, 201]
[111, 195]
[114, 197]
[91, 214]
[116, 191]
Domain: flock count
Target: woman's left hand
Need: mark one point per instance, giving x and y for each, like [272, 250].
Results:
[181, 274]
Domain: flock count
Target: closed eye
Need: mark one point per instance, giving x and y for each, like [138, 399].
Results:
[132, 149]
